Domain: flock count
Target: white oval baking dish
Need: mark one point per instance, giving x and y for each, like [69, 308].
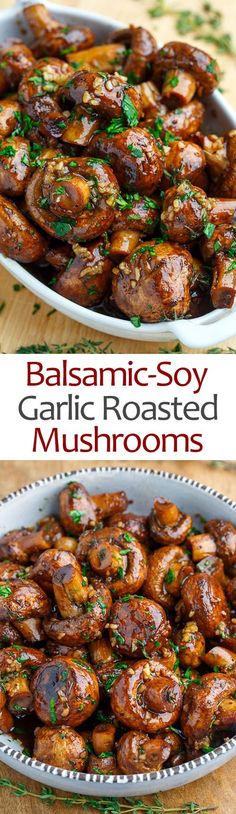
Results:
[201, 332]
[38, 499]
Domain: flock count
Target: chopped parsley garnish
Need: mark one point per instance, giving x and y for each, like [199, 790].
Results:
[129, 111]
[173, 82]
[142, 250]
[128, 537]
[52, 711]
[136, 321]
[5, 590]
[8, 151]
[170, 576]
[209, 229]
[76, 515]
[135, 151]
[120, 639]
[217, 246]
[61, 227]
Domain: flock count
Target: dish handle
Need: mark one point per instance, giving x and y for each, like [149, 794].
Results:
[208, 335]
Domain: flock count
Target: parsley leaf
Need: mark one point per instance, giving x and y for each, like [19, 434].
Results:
[129, 110]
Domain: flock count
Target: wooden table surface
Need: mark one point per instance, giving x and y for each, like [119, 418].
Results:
[18, 324]
[218, 789]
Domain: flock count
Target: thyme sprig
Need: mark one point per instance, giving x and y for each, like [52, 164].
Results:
[107, 805]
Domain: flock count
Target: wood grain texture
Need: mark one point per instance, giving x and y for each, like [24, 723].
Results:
[218, 789]
[18, 325]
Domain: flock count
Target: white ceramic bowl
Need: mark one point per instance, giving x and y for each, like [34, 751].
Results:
[37, 499]
[201, 332]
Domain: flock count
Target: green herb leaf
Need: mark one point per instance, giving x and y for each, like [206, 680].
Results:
[76, 515]
[209, 229]
[136, 321]
[52, 711]
[129, 111]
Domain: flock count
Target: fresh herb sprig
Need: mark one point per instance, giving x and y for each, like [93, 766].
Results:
[108, 805]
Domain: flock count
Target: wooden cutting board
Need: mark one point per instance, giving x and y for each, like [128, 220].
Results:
[21, 321]
[218, 789]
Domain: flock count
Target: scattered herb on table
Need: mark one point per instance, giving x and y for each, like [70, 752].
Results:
[206, 25]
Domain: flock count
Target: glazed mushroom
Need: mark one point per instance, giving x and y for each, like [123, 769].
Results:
[16, 664]
[48, 563]
[179, 88]
[14, 166]
[231, 591]
[221, 660]
[134, 216]
[138, 752]
[62, 747]
[10, 570]
[102, 765]
[52, 529]
[226, 186]
[87, 276]
[224, 534]
[6, 720]
[223, 289]
[108, 504]
[107, 94]
[119, 561]
[147, 697]
[204, 602]
[76, 509]
[221, 240]
[181, 123]
[37, 93]
[15, 60]
[103, 738]
[79, 192]
[142, 50]
[134, 525]
[135, 156]
[52, 37]
[153, 282]
[204, 70]
[19, 237]
[20, 545]
[208, 707]
[184, 160]
[9, 634]
[10, 114]
[64, 692]
[168, 567]
[137, 627]
[59, 572]
[202, 545]
[191, 644]
[89, 622]
[187, 212]
[106, 664]
[108, 57]
[20, 600]
[168, 525]
[214, 566]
